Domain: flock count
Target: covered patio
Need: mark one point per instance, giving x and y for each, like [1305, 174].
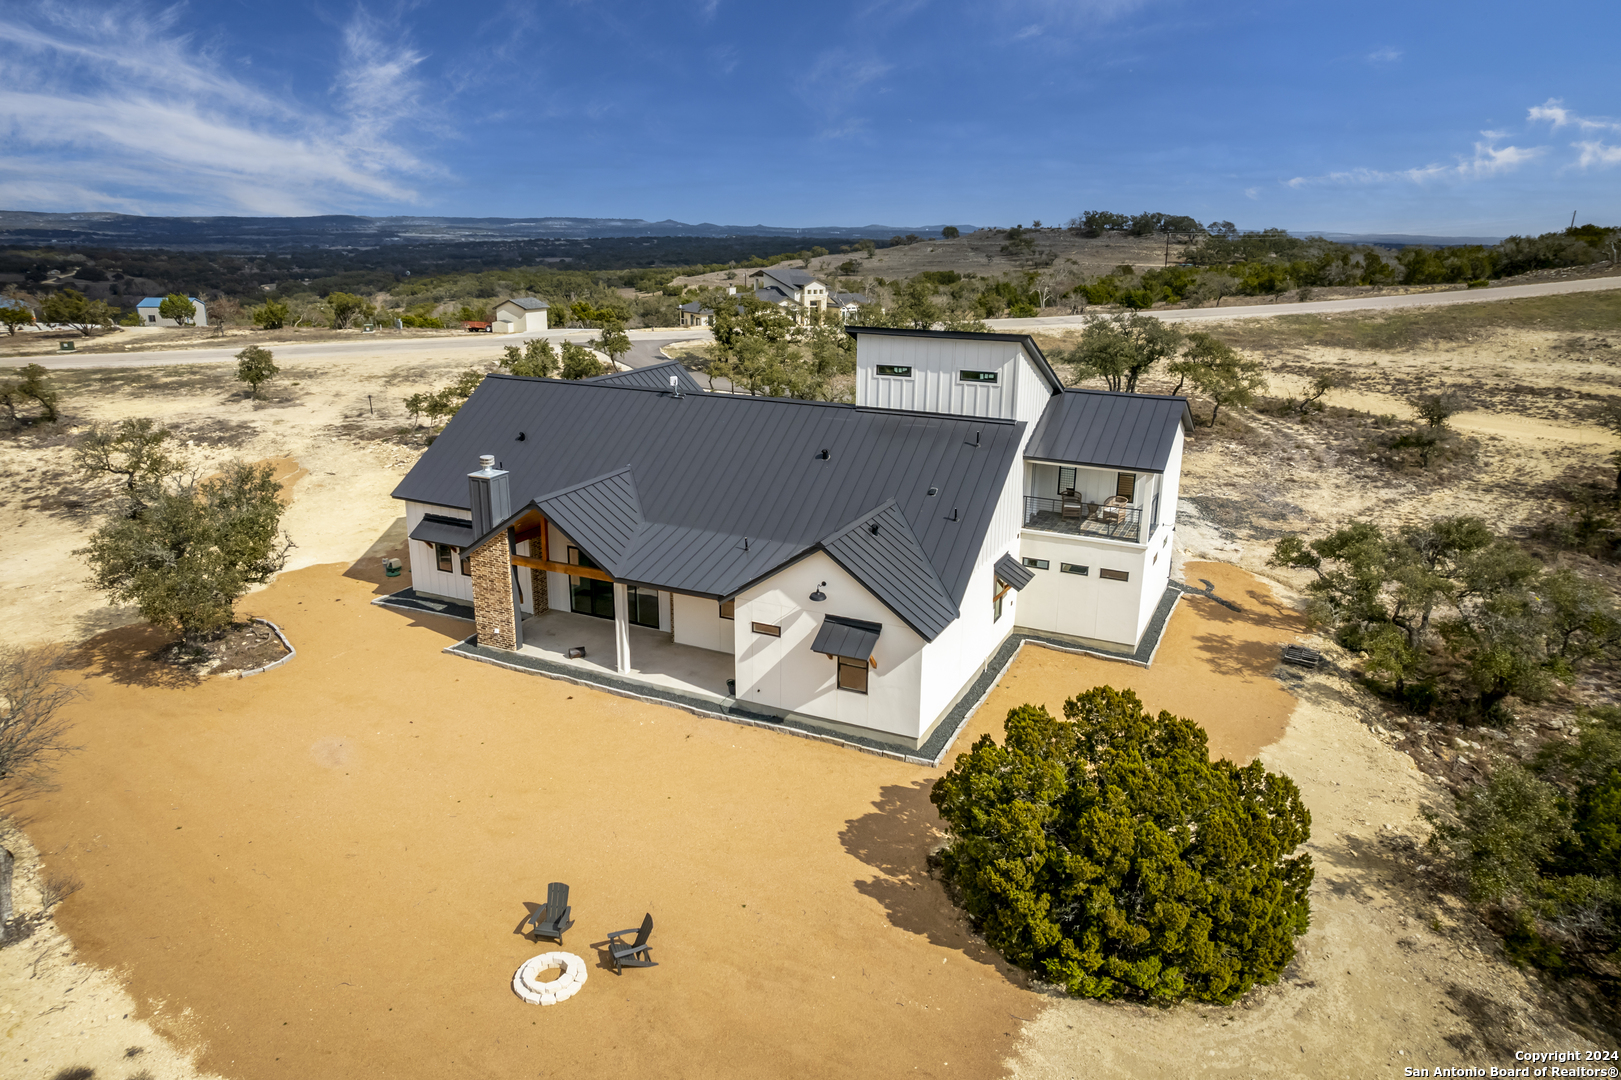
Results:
[654, 657]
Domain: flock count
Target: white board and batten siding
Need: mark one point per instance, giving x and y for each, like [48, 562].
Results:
[936, 383]
[426, 577]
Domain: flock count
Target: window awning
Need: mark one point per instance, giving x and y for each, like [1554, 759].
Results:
[849, 638]
[1011, 572]
[437, 530]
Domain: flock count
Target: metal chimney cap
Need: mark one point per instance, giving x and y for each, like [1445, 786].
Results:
[486, 461]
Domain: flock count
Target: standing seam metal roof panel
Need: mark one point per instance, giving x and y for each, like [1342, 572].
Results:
[1111, 430]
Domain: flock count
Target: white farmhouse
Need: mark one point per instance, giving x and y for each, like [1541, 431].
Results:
[845, 568]
[147, 309]
[520, 315]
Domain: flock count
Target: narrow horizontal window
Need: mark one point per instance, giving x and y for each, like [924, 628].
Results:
[1072, 568]
[728, 609]
[977, 376]
[852, 675]
[768, 629]
[895, 370]
[1114, 575]
[1037, 564]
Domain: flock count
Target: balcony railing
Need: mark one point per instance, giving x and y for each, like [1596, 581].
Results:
[1082, 517]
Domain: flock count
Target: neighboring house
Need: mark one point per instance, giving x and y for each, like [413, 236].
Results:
[797, 291]
[520, 315]
[147, 309]
[695, 314]
[852, 568]
[849, 303]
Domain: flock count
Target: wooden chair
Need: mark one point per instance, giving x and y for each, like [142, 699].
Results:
[551, 920]
[1072, 505]
[1114, 510]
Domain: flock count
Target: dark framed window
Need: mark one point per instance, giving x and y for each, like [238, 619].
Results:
[465, 561]
[1126, 484]
[728, 609]
[1114, 575]
[1066, 480]
[976, 376]
[1073, 568]
[895, 371]
[1036, 564]
[445, 555]
[852, 675]
[768, 629]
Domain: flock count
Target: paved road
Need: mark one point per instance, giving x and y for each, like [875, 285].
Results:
[644, 348]
[1325, 307]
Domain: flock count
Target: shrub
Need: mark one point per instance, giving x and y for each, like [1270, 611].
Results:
[1107, 852]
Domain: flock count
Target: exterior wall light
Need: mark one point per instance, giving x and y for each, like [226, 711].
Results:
[819, 595]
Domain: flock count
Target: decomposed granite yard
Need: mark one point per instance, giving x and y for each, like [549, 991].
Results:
[320, 871]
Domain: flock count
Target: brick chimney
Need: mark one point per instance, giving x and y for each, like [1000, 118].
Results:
[490, 495]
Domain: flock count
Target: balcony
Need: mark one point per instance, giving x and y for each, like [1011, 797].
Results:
[1074, 516]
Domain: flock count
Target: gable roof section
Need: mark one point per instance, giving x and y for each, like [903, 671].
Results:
[793, 278]
[652, 377]
[602, 515]
[879, 550]
[1107, 429]
[731, 488]
[528, 303]
[1031, 349]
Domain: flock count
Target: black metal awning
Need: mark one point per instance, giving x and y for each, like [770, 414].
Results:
[1011, 572]
[849, 638]
[434, 529]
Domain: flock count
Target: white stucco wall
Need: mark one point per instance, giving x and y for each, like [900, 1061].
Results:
[1084, 606]
[784, 673]
[698, 623]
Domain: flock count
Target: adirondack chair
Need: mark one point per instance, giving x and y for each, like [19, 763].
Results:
[551, 920]
[633, 954]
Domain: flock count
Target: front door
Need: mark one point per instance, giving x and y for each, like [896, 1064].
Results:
[589, 596]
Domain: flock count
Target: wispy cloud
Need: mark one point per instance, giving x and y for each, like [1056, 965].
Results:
[145, 119]
[1488, 160]
[1589, 152]
[1386, 55]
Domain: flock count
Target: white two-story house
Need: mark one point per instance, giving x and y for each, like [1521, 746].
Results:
[851, 568]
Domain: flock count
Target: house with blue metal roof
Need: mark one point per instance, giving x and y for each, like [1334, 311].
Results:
[848, 567]
[149, 314]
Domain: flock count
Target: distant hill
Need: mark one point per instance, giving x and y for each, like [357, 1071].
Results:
[259, 235]
[1400, 240]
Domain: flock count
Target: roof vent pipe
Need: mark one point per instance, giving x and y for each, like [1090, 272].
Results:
[874, 528]
[675, 385]
[976, 439]
[824, 455]
[953, 516]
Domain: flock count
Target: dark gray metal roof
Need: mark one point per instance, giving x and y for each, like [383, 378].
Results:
[437, 532]
[652, 377]
[730, 488]
[696, 307]
[1012, 572]
[1029, 343]
[879, 550]
[1109, 430]
[794, 279]
[528, 303]
[850, 638]
[771, 294]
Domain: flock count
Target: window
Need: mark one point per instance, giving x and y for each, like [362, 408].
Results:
[976, 376]
[446, 556]
[465, 561]
[1125, 484]
[728, 609]
[1071, 568]
[768, 629]
[852, 675]
[895, 370]
[1114, 575]
[1066, 480]
[1036, 564]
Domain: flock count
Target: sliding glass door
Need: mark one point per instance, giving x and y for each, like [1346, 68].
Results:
[590, 596]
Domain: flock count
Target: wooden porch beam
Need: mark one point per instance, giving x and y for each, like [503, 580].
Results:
[561, 568]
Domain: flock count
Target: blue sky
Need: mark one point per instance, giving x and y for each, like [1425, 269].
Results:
[1424, 117]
